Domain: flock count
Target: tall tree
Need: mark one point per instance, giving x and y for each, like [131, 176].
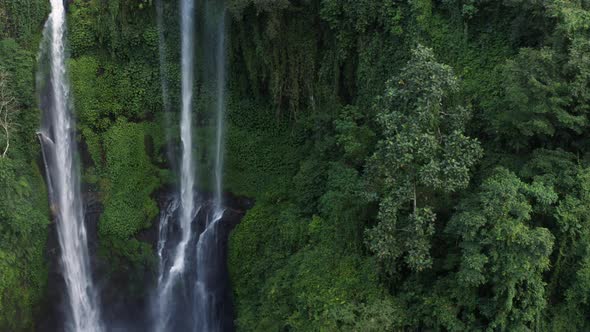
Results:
[503, 255]
[423, 151]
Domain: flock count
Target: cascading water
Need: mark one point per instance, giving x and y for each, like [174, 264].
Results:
[57, 138]
[163, 231]
[208, 243]
[208, 257]
[193, 282]
[187, 171]
[220, 64]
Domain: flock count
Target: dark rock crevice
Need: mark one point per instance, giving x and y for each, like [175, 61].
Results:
[122, 311]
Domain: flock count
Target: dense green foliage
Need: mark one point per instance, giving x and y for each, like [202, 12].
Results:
[415, 164]
[458, 198]
[423, 151]
[24, 213]
[497, 220]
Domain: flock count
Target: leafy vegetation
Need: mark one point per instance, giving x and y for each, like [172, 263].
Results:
[24, 212]
[423, 151]
[443, 144]
[416, 164]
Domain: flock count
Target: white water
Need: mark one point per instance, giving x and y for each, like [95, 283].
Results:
[187, 171]
[163, 230]
[207, 319]
[173, 270]
[167, 281]
[220, 104]
[207, 244]
[84, 315]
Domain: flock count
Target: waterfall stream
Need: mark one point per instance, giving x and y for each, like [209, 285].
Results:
[208, 242]
[187, 171]
[192, 292]
[191, 266]
[218, 31]
[57, 138]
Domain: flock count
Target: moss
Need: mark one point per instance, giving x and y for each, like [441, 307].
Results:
[261, 154]
[23, 231]
[130, 178]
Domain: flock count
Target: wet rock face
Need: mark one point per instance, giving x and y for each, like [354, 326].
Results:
[202, 299]
[129, 312]
[54, 302]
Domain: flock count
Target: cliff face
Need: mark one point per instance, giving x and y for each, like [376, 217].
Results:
[126, 307]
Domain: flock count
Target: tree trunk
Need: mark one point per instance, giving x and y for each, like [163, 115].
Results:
[7, 142]
[5, 125]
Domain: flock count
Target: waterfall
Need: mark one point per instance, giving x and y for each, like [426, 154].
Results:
[207, 255]
[163, 230]
[208, 244]
[220, 102]
[187, 171]
[188, 282]
[57, 136]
